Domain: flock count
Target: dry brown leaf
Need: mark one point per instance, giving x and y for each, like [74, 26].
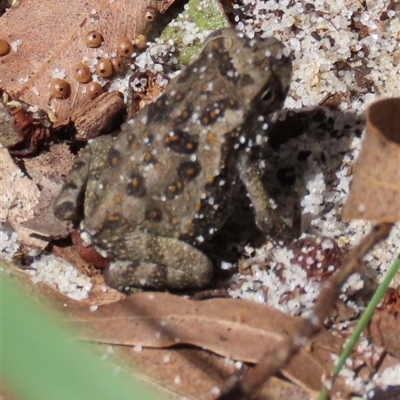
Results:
[51, 165]
[375, 192]
[44, 225]
[49, 35]
[8, 133]
[202, 371]
[197, 374]
[384, 330]
[236, 329]
[19, 197]
[46, 171]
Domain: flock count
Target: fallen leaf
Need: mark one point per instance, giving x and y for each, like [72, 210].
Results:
[19, 197]
[375, 190]
[37, 56]
[196, 374]
[236, 329]
[47, 171]
[197, 370]
[8, 133]
[384, 330]
[52, 165]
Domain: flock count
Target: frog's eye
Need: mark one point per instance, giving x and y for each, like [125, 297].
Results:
[267, 95]
[217, 41]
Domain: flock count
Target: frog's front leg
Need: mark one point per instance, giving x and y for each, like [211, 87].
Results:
[67, 204]
[266, 218]
[159, 262]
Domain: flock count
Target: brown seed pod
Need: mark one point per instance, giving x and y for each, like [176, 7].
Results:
[140, 41]
[150, 14]
[4, 47]
[118, 63]
[125, 47]
[60, 89]
[104, 67]
[94, 90]
[93, 39]
[82, 73]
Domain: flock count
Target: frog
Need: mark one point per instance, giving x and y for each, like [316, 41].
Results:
[150, 196]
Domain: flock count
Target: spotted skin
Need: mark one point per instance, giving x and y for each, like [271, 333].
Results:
[168, 181]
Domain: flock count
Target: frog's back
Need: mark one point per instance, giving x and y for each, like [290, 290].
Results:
[171, 171]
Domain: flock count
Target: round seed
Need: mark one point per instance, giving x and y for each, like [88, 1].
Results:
[125, 47]
[4, 47]
[94, 90]
[118, 63]
[82, 73]
[60, 89]
[104, 68]
[140, 41]
[93, 39]
[150, 14]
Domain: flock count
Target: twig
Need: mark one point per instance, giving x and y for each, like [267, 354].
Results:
[272, 362]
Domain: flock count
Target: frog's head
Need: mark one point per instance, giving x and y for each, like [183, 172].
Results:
[261, 68]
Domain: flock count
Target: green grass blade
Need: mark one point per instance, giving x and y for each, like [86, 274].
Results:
[366, 317]
[40, 361]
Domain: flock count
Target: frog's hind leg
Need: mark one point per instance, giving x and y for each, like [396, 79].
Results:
[160, 262]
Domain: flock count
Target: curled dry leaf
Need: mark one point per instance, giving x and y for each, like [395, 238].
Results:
[23, 128]
[37, 58]
[375, 192]
[237, 329]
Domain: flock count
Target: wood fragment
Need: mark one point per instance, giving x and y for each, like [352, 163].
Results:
[99, 115]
